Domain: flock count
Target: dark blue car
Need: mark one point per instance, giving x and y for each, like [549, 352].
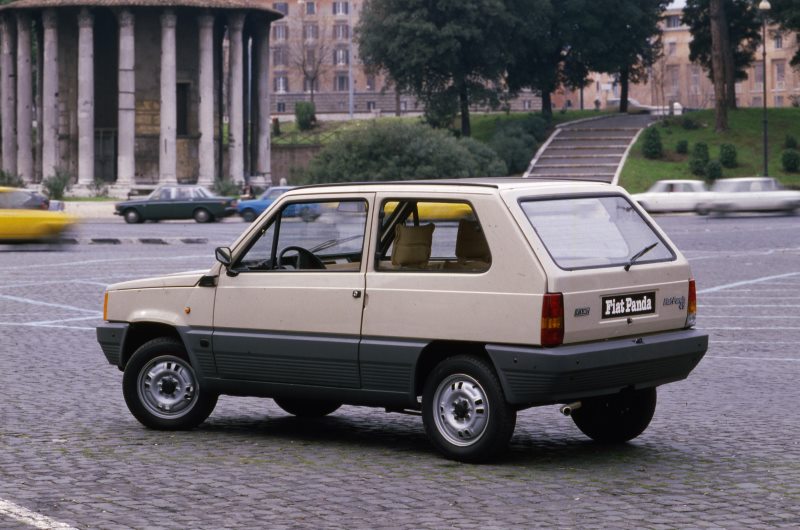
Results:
[251, 209]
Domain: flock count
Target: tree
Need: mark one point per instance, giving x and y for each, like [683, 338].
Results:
[449, 53]
[717, 65]
[739, 37]
[311, 48]
[630, 42]
[787, 14]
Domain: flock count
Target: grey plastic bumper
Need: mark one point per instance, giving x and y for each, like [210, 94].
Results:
[111, 336]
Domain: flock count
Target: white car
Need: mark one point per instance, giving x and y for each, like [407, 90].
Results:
[673, 196]
[538, 293]
[749, 194]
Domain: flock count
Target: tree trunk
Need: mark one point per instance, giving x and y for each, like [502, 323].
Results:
[717, 65]
[547, 104]
[624, 82]
[727, 56]
[463, 100]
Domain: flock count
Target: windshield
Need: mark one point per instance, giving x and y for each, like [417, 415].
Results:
[589, 232]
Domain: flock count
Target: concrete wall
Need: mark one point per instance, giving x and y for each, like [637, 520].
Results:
[289, 158]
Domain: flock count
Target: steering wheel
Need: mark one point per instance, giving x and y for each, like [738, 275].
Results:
[305, 258]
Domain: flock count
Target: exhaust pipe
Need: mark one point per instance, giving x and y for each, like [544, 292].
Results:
[568, 409]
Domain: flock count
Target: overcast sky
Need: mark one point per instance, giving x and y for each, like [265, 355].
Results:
[677, 3]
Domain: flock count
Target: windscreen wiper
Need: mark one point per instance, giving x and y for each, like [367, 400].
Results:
[639, 254]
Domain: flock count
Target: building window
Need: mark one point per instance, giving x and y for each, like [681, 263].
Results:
[281, 106]
[281, 83]
[672, 48]
[308, 85]
[673, 80]
[341, 56]
[758, 76]
[694, 84]
[779, 101]
[341, 31]
[780, 75]
[526, 104]
[311, 8]
[280, 56]
[403, 106]
[341, 8]
[311, 57]
[310, 31]
[280, 32]
[370, 83]
[281, 7]
[182, 109]
[370, 105]
[778, 42]
[673, 21]
[757, 102]
[341, 82]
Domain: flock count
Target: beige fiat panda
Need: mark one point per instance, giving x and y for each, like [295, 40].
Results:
[464, 301]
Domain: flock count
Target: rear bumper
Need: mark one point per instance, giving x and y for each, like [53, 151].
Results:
[111, 336]
[538, 376]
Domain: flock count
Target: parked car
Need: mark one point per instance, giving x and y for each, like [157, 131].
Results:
[673, 196]
[25, 218]
[544, 292]
[749, 194]
[177, 202]
[252, 208]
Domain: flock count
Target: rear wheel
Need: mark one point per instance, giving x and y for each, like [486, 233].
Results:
[616, 418]
[132, 216]
[464, 410]
[249, 215]
[307, 408]
[201, 215]
[161, 388]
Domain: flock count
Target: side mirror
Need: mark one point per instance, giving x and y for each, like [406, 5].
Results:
[223, 255]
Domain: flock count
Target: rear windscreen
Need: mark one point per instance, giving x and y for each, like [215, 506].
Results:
[588, 232]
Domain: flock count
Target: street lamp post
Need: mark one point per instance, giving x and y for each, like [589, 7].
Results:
[764, 6]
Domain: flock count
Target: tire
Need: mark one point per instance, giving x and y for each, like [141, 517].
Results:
[464, 410]
[201, 215]
[702, 210]
[249, 215]
[132, 216]
[307, 408]
[616, 418]
[162, 390]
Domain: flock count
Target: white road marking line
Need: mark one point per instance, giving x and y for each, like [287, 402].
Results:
[46, 304]
[732, 328]
[752, 358]
[59, 321]
[26, 325]
[62, 282]
[31, 518]
[746, 282]
[110, 260]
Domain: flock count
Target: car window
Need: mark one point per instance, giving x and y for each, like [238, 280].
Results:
[274, 194]
[13, 199]
[166, 194]
[183, 194]
[424, 235]
[202, 193]
[589, 232]
[307, 236]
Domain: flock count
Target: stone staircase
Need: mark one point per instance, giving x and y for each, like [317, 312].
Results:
[588, 150]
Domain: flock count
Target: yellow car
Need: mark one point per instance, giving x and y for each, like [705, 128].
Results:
[438, 211]
[22, 223]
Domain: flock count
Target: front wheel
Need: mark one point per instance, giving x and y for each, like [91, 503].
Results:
[249, 215]
[616, 418]
[307, 408]
[161, 388]
[201, 215]
[464, 410]
[132, 216]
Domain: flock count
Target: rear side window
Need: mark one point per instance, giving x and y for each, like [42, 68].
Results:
[590, 232]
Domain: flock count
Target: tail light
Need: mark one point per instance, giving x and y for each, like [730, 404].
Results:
[552, 319]
[691, 306]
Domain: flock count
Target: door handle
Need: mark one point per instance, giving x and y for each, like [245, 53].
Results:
[356, 294]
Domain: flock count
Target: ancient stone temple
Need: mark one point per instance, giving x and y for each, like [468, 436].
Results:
[136, 92]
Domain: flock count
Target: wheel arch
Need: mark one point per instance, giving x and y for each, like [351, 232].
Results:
[439, 350]
[142, 332]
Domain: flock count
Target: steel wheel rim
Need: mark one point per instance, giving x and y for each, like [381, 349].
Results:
[167, 387]
[461, 410]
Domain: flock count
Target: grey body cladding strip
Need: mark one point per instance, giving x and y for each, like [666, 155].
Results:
[533, 376]
[111, 336]
[389, 364]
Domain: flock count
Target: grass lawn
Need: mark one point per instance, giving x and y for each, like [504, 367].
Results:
[746, 133]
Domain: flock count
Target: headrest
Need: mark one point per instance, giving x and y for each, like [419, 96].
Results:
[412, 244]
[470, 241]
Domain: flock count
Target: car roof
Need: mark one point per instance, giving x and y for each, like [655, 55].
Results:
[472, 184]
[744, 179]
[679, 181]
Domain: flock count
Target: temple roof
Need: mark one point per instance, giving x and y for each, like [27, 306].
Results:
[257, 5]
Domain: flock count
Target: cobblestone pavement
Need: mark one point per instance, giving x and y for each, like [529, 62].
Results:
[722, 451]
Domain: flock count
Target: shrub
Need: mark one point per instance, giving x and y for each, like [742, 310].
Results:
[790, 142]
[305, 114]
[790, 159]
[535, 125]
[713, 171]
[393, 150]
[727, 155]
[514, 146]
[99, 187]
[56, 185]
[226, 188]
[682, 147]
[689, 123]
[652, 147]
[276, 127]
[10, 180]
[699, 159]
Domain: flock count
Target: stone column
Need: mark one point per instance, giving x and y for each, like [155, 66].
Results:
[206, 107]
[167, 161]
[8, 92]
[85, 98]
[126, 101]
[263, 171]
[235, 108]
[24, 98]
[49, 127]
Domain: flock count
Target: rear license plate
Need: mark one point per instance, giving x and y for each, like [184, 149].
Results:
[625, 305]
